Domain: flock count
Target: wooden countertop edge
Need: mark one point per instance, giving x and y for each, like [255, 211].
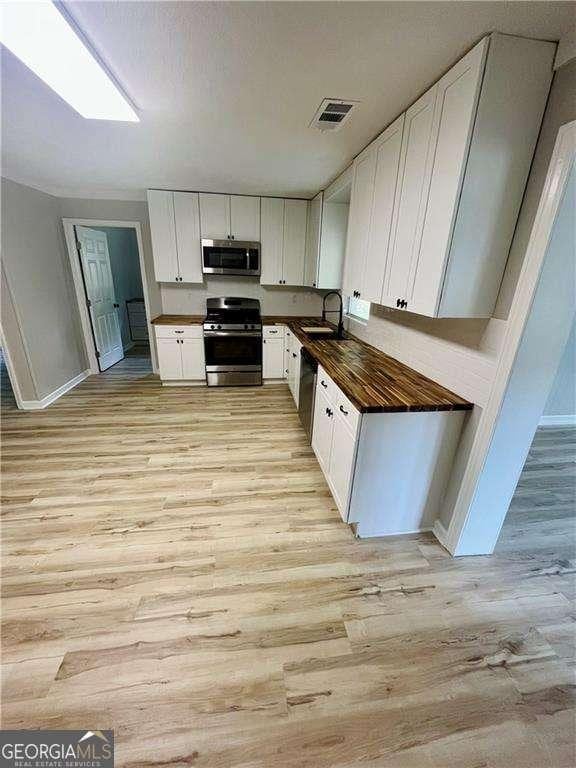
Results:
[295, 325]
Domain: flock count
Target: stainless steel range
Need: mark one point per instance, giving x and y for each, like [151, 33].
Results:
[233, 342]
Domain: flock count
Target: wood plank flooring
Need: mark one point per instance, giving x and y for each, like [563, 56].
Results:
[174, 568]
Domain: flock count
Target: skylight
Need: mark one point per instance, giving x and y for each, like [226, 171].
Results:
[42, 38]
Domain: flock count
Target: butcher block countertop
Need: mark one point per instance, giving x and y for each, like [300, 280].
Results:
[372, 380]
[178, 320]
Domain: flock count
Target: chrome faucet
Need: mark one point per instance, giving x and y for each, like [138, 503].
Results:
[340, 331]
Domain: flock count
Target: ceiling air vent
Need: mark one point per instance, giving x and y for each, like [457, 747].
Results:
[332, 114]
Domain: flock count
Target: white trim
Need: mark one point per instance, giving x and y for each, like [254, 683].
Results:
[552, 195]
[69, 234]
[35, 405]
[564, 420]
[184, 383]
[440, 532]
[11, 372]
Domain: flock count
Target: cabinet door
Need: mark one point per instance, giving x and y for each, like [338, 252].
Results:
[313, 234]
[187, 221]
[415, 169]
[245, 218]
[193, 367]
[296, 347]
[359, 222]
[161, 214]
[322, 430]
[294, 246]
[387, 151]
[272, 238]
[341, 468]
[287, 354]
[454, 116]
[169, 358]
[273, 358]
[215, 216]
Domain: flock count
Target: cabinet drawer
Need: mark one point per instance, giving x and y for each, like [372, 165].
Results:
[326, 386]
[349, 414]
[273, 331]
[179, 331]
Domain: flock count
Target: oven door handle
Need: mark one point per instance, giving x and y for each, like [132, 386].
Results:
[236, 334]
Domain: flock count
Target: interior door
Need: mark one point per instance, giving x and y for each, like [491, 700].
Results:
[245, 218]
[95, 261]
[415, 170]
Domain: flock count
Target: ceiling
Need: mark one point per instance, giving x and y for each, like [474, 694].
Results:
[226, 91]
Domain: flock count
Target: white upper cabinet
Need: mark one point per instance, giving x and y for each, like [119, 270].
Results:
[224, 217]
[174, 226]
[215, 216]
[294, 246]
[415, 168]
[245, 218]
[313, 234]
[187, 224]
[359, 222]
[455, 108]
[380, 236]
[434, 236]
[283, 241]
[272, 239]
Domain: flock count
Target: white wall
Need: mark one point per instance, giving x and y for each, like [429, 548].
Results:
[40, 320]
[562, 398]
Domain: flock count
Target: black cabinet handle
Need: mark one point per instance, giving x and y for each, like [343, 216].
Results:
[397, 302]
[404, 303]
[324, 384]
[329, 412]
[294, 354]
[178, 331]
[117, 305]
[343, 411]
[263, 341]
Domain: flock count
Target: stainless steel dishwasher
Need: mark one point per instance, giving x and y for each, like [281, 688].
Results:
[308, 372]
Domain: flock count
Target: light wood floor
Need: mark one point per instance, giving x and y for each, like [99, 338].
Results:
[174, 568]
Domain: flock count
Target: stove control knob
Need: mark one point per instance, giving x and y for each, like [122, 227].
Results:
[212, 327]
[246, 327]
[219, 327]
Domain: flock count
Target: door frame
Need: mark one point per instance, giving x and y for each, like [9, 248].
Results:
[79, 290]
[468, 516]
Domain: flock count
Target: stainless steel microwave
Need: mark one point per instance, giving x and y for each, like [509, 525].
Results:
[230, 257]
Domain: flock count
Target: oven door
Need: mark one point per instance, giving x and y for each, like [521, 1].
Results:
[231, 351]
[225, 257]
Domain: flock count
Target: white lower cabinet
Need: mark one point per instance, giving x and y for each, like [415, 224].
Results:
[180, 353]
[294, 348]
[336, 423]
[387, 472]
[273, 352]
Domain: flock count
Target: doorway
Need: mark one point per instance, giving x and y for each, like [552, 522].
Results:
[111, 289]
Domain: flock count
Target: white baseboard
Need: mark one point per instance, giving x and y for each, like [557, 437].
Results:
[390, 533]
[187, 383]
[36, 405]
[565, 420]
[440, 532]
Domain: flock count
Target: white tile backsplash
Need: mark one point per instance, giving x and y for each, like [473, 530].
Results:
[276, 300]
